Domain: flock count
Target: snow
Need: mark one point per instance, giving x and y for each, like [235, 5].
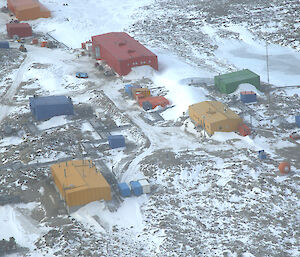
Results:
[246, 87]
[10, 141]
[87, 18]
[53, 122]
[57, 77]
[15, 224]
[127, 216]
[247, 53]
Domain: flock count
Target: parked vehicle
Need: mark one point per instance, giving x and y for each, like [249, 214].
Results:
[82, 75]
[294, 136]
[22, 48]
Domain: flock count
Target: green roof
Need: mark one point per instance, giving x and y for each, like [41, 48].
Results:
[237, 76]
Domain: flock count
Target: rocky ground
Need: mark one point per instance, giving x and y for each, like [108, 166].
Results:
[210, 197]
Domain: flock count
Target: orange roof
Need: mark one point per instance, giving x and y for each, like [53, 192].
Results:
[78, 174]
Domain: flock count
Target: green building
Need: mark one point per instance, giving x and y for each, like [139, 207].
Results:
[228, 83]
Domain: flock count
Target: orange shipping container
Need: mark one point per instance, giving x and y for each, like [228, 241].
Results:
[140, 92]
[43, 43]
[28, 9]
[284, 168]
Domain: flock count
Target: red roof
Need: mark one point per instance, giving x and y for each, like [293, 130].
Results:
[154, 100]
[121, 45]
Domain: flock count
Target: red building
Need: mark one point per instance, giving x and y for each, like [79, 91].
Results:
[19, 29]
[151, 102]
[122, 52]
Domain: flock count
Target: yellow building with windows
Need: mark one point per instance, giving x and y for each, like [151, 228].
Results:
[214, 116]
[79, 182]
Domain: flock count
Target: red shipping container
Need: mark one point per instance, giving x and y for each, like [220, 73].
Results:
[244, 130]
[44, 44]
[154, 101]
[35, 41]
[19, 29]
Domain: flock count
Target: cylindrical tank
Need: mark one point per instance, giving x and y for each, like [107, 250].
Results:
[284, 167]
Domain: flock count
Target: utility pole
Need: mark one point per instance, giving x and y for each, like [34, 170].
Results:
[268, 75]
[267, 60]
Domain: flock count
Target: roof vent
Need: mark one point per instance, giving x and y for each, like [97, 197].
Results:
[130, 51]
[122, 43]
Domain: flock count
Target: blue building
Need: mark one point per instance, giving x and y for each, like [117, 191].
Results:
[297, 120]
[136, 188]
[248, 96]
[4, 44]
[46, 107]
[124, 189]
[116, 141]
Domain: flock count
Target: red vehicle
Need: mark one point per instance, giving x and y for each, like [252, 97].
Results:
[294, 136]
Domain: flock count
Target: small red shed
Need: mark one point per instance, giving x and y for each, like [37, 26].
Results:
[122, 52]
[244, 130]
[19, 29]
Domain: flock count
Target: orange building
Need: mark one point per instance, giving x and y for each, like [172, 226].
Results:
[79, 182]
[28, 9]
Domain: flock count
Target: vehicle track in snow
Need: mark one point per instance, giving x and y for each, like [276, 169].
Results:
[7, 99]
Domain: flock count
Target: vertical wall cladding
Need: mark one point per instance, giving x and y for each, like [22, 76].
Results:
[44, 108]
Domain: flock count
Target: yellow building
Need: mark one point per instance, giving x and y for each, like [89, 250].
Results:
[214, 116]
[79, 182]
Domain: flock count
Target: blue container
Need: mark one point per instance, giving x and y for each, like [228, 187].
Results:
[116, 141]
[124, 189]
[4, 44]
[262, 155]
[46, 107]
[128, 89]
[297, 119]
[248, 97]
[136, 188]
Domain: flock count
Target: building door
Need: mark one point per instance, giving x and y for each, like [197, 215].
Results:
[97, 52]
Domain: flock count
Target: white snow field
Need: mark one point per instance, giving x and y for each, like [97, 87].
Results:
[211, 196]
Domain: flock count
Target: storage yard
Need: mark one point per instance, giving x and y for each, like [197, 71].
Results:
[172, 147]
